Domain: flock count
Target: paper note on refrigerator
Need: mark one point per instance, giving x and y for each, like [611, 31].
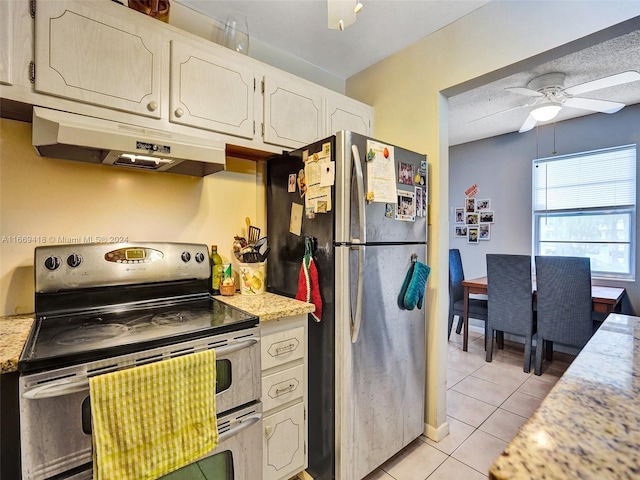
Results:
[381, 173]
[295, 222]
[318, 196]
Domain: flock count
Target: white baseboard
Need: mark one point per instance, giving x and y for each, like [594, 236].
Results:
[436, 434]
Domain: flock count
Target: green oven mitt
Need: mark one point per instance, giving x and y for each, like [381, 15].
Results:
[405, 286]
[415, 291]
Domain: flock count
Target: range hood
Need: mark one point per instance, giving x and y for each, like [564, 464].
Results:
[93, 140]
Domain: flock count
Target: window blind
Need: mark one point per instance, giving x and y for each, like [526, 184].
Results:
[597, 179]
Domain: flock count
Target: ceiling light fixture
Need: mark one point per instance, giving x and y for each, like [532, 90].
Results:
[546, 112]
[342, 13]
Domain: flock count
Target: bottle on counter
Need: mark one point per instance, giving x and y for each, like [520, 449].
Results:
[216, 270]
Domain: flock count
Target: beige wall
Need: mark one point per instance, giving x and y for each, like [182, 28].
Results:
[410, 111]
[61, 200]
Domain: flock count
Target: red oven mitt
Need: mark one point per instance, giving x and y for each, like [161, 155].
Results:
[308, 285]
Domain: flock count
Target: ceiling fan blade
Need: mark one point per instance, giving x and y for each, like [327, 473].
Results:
[604, 82]
[603, 106]
[524, 91]
[501, 111]
[528, 124]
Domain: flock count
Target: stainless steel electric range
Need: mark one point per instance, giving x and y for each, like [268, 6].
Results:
[106, 307]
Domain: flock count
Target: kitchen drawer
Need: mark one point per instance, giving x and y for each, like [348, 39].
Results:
[284, 447]
[282, 387]
[282, 347]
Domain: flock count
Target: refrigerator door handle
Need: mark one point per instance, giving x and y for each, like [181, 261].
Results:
[362, 218]
[356, 317]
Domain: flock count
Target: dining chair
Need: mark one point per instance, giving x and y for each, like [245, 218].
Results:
[564, 304]
[477, 307]
[510, 301]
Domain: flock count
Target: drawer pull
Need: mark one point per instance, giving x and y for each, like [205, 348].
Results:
[284, 347]
[282, 391]
[283, 388]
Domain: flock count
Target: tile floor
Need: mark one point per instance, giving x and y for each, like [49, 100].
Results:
[487, 403]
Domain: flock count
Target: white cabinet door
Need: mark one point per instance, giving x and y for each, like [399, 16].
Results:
[6, 36]
[85, 54]
[210, 91]
[284, 443]
[344, 113]
[293, 112]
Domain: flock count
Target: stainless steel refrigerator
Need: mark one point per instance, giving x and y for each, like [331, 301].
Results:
[367, 354]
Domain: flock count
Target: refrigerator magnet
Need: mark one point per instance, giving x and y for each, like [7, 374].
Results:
[406, 206]
[390, 210]
[405, 173]
[302, 183]
[292, 183]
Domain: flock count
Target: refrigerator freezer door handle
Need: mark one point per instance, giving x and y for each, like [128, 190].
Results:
[356, 318]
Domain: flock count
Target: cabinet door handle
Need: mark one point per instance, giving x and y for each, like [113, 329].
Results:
[179, 112]
[152, 106]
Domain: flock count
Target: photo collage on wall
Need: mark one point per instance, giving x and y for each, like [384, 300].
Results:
[473, 221]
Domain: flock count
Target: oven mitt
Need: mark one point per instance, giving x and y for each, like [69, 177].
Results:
[405, 286]
[308, 284]
[414, 285]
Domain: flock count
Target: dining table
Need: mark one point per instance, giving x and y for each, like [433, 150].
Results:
[605, 300]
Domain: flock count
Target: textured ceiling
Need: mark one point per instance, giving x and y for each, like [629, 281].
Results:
[473, 114]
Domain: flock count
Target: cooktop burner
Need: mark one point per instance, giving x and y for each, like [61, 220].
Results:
[89, 333]
[67, 339]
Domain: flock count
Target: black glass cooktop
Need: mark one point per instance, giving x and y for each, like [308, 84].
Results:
[69, 339]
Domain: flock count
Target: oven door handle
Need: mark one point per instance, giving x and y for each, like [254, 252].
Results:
[245, 423]
[234, 347]
[67, 386]
[57, 389]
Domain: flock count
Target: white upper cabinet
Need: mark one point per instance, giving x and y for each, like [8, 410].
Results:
[6, 36]
[87, 55]
[209, 90]
[293, 111]
[102, 59]
[344, 113]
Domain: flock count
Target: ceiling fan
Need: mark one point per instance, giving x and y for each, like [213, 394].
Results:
[549, 96]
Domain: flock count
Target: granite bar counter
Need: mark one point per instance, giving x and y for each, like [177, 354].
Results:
[268, 306]
[14, 331]
[588, 426]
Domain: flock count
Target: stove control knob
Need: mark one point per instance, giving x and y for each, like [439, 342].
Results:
[186, 256]
[74, 260]
[199, 257]
[52, 263]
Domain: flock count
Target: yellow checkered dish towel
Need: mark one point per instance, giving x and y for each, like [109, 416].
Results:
[150, 420]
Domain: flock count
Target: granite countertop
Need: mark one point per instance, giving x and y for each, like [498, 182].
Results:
[268, 306]
[588, 426]
[14, 331]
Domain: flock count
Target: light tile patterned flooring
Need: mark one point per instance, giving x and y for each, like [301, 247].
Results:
[487, 403]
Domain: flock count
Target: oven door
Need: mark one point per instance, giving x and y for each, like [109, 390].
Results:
[238, 455]
[55, 409]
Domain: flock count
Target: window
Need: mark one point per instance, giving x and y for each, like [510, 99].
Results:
[584, 205]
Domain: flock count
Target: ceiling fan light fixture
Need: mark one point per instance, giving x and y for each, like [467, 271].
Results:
[545, 112]
[340, 14]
